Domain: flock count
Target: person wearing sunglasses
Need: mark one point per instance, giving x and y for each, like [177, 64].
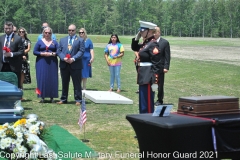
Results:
[70, 51]
[14, 29]
[44, 25]
[46, 66]
[25, 75]
[87, 58]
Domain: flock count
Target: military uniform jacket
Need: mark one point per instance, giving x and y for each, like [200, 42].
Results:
[148, 52]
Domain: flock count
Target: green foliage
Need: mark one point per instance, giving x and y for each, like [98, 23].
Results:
[181, 18]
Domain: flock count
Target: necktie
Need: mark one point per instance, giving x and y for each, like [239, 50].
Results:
[70, 41]
[7, 42]
[70, 45]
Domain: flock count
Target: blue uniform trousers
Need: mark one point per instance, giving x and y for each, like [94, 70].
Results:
[146, 99]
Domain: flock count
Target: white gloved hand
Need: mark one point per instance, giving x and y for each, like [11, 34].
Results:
[138, 36]
[154, 87]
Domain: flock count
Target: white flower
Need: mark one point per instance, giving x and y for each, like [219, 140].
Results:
[17, 129]
[21, 151]
[19, 141]
[30, 120]
[6, 125]
[2, 134]
[5, 142]
[34, 129]
[19, 135]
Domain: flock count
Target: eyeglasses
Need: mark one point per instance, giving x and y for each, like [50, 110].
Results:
[71, 30]
[15, 31]
[80, 32]
[20, 31]
[44, 27]
[47, 32]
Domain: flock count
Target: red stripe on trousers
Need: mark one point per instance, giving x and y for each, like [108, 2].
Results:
[149, 98]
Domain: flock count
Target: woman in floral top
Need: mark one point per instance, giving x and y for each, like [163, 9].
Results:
[25, 75]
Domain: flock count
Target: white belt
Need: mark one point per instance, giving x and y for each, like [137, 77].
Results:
[145, 64]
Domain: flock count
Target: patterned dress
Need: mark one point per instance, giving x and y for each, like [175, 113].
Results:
[25, 63]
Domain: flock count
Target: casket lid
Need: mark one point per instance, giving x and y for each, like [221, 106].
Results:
[208, 99]
[8, 89]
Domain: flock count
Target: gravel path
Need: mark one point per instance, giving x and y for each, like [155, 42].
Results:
[229, 55]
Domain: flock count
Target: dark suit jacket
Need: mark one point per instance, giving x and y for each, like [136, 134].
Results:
[78, 48]
[165, 51]
[16, 47]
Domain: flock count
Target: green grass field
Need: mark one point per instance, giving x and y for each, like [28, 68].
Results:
[107, 127]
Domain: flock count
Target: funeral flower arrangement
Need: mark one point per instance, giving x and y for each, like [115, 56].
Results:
[22, 140]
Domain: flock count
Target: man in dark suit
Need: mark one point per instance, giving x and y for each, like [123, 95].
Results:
[70, 50]
[11, 61]
[165, 50]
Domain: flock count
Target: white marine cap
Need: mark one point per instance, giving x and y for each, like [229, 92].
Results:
[146, 25]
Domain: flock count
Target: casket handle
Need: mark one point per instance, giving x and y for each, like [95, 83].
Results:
[190, 108]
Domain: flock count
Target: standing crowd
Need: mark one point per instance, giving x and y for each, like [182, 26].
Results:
[76, 56]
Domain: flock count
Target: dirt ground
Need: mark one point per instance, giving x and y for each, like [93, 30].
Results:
[229, 55]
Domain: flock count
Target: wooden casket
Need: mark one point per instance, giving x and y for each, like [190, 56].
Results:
[208, 105]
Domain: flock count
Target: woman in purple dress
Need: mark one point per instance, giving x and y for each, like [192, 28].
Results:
[46, 66]
[87, 58]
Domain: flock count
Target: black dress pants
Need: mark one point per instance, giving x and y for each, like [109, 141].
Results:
[160, 88]
[76, 75]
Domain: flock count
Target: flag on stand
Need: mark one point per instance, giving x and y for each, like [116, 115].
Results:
[83, 114]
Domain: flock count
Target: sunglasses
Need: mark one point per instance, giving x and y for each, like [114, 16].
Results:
[47, 32]
[80, 32]
[20, 31]
[71, 30]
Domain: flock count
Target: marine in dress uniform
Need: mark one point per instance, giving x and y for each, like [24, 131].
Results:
[149, 66]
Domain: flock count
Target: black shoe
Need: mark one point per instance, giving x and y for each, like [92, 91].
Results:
[157, 103]
[42, 101]
[52, 100]
[135, 137]
[137, 91]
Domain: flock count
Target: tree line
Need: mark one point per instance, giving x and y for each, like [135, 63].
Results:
[183, 18]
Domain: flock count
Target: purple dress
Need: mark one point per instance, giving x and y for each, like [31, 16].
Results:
[87, 68]
[46, 70]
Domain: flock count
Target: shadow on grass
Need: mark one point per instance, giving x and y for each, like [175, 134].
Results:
[28, 89]
[26, 108]
[26, 100]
